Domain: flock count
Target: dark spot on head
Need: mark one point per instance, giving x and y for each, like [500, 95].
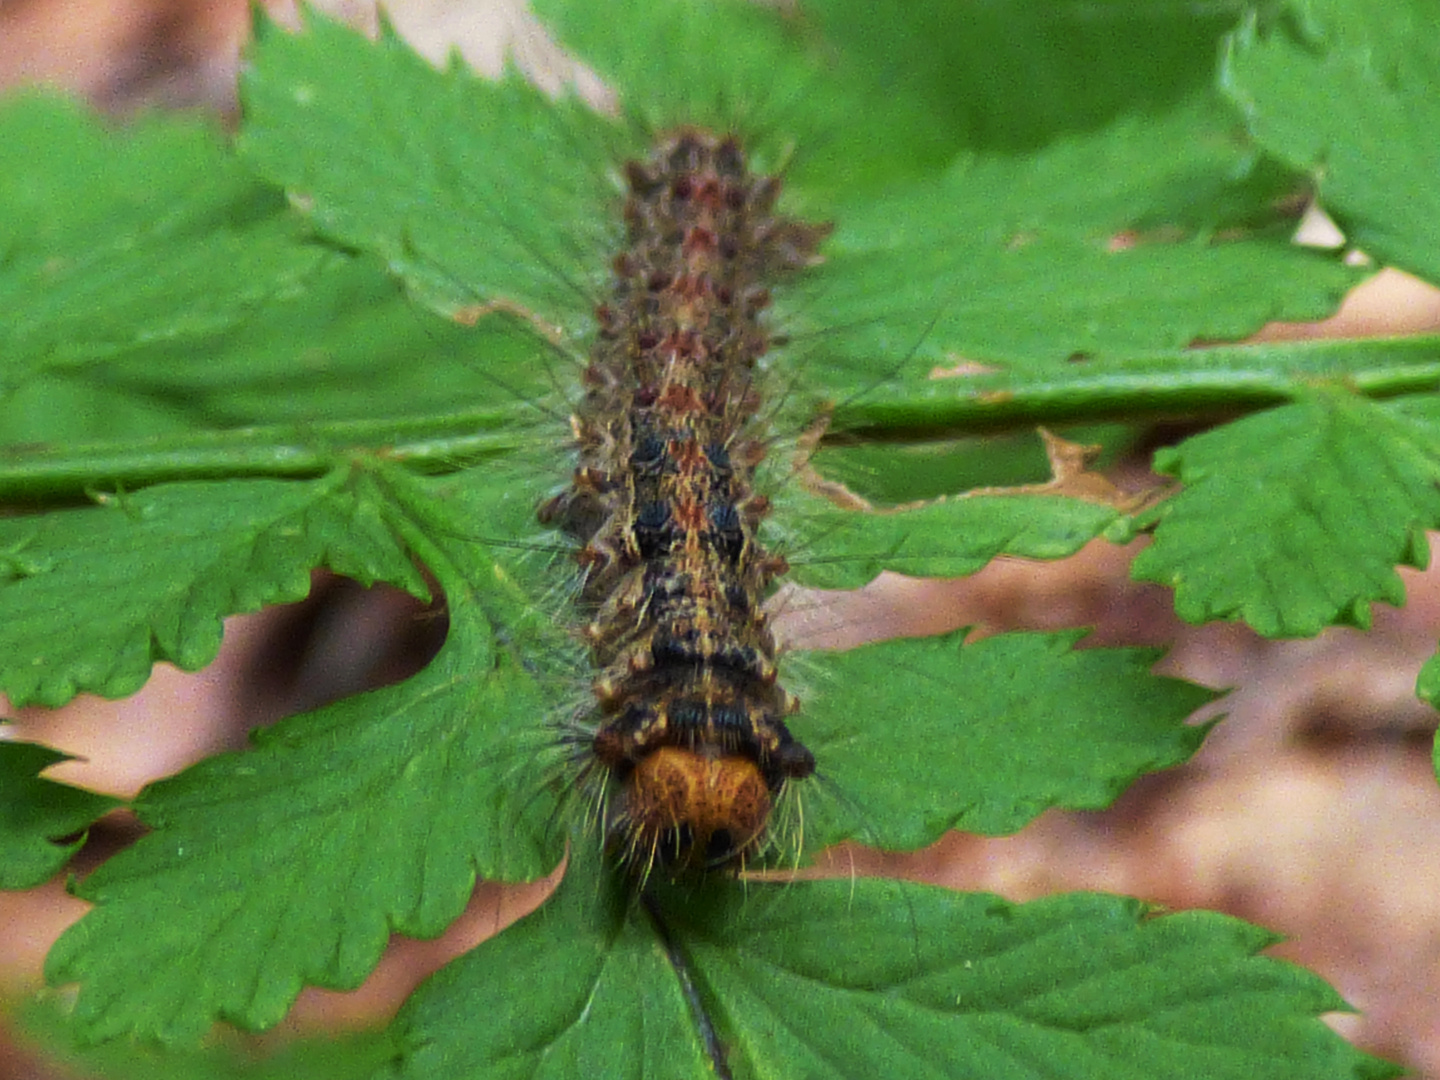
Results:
[719, 847]
[687, 152]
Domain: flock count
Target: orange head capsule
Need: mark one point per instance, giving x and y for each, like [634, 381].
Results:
[693, 811]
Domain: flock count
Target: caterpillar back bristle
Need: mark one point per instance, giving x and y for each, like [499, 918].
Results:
[685, 749]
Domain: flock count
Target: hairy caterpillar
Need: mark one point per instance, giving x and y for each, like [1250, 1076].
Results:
[688, 742]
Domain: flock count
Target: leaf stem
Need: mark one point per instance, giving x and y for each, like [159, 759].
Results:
[1236, 378]
[1232, 378]
[430, 443]
[681, 966]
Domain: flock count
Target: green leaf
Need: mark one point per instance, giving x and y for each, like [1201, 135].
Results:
[942, 984]
[347, 365]
[1427, 686]
[875, 98]
[805, 109]
[471, 191]
[871, 978]
[1149, 234]
[1345, 91]
[113, 240]
[1013, 76]
[150, 575]
[599, 999]
[38, 817]
[1294, 519]
[929, 734]
[349, 347]
[1427, 689]
[836, 548]
[293, 862]
[903, 471]
[71, 178]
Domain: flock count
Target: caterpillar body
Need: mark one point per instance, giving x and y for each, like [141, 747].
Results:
[688, 742]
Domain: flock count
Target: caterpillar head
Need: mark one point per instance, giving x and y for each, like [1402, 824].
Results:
[688, 810]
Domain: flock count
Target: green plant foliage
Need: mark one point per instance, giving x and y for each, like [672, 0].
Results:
[152, 573]
[298, 858]
[1345, 92]
[1294, 519]
[286, 388]
[771, 78]
[110, 242]
[42, 822]
[457, 744]
[993, 732]
[1153, 232]
[907, 472]
[269, 402]
[939, 984]
[979, 262]
[940, 539]
[1014, 280]
[1427, 686]
[295, 861]
[442, 206]
[1005, 76]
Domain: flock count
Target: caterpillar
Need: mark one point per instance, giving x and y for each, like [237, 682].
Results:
[688, 743]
